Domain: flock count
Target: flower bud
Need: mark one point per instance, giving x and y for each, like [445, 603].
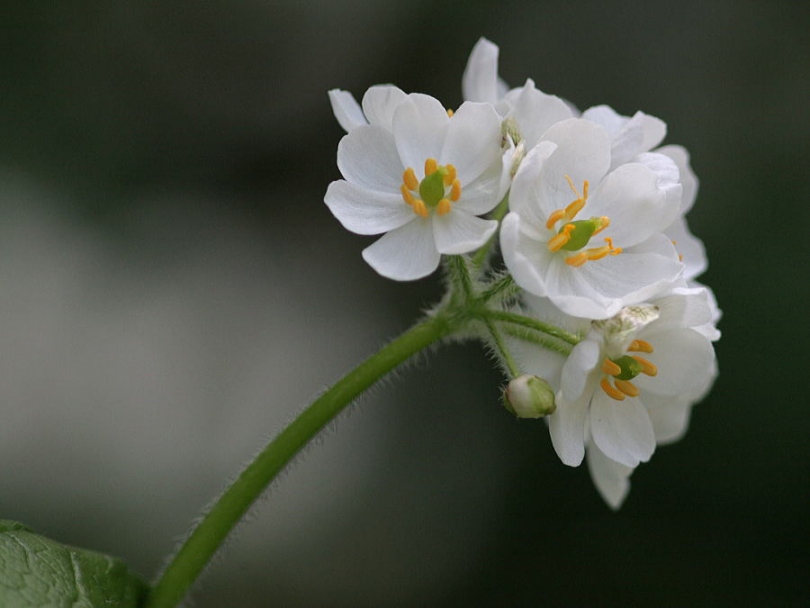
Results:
[529, 397]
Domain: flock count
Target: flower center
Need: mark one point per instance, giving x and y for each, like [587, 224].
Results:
[623, 369]
[574, 235]
[437, 190]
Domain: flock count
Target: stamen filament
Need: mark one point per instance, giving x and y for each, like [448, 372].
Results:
[595, 253]
[611, 392]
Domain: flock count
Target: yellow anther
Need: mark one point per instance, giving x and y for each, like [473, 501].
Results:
[595, 253]
[640, 346]
[556, 242]
[455, 191]
[680, 257]
[419, 208]
[406, 195]
[430, 166]
[450, 112]
[627, 387]
[572, 208]
[604, 222]
[611, 392]
[409, 179]
[444, 207]
[577, 260]
[611, 368]
[450, 175]
[554, 218]
[647, 367]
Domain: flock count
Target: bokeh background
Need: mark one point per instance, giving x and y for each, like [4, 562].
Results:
[173, 290]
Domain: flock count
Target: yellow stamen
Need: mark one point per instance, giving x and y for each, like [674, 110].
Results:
[430, 166]
[611, 392]
[419, 208]
[640, 346]
[595, 253]
[556, 242]
[450, 112]
[680, 257]
[450, 175]
[444, 207]
[611, 368]
[455, 191]
[554, 218]
[604, 222]
[409, 179]
[627, 387]
[647, 367]
[572, 208]
[406, 195]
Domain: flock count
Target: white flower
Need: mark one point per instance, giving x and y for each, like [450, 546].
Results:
[588, 238]
[527, 112]
[379, 104]
[631, 384]
[631, 138]
[418, 175]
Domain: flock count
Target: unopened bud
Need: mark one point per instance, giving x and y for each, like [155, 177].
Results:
[529, 397]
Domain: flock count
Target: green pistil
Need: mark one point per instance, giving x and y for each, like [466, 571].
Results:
[581, 234]
[431, 188]
[630, 367]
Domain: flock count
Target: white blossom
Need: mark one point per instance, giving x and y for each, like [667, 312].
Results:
[589, 238]
[419, 174]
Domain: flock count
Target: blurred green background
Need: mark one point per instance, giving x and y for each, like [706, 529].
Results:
[172, 290]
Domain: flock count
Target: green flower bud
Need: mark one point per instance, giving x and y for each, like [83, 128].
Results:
[529, 397]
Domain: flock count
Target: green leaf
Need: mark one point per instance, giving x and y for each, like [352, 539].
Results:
[38, 572]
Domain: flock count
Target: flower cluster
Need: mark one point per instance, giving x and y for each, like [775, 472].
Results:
[589, 210]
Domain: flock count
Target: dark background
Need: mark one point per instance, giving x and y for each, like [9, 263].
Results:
[172, 289]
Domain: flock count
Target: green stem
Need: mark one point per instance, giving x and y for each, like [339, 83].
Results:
[212, 530]
[497, 339]
[516, 319]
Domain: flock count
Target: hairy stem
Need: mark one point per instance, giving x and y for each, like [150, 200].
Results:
[206, 538]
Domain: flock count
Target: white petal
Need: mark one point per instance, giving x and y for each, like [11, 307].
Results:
[527, 259]
[405, 254]
[655, 130]
[583, 153]
[600, 288]
[637, 207]
[567, 429]
[689, 247]
[459, 232]
[688, 178]
[683, 307]
[365, 211]
[420, 124]
[535, 111]
[473, 141]
[581, 362]
[346, 109]
[480, 80]
[669, 416]
[527, 196]
[484, 193]
[621, 429]
[611, 479]
[684, 359]
[368, 157]
[380, 102]
[604, 115]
